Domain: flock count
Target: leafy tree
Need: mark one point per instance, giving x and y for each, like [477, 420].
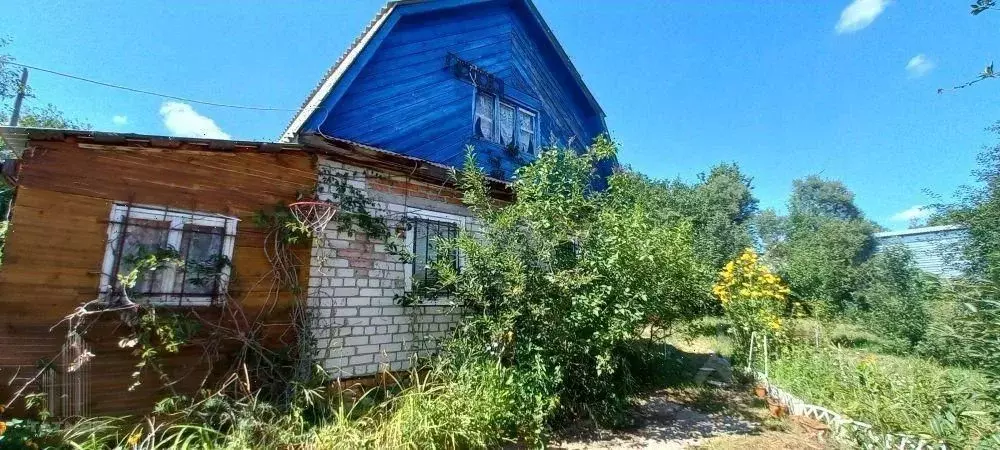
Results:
[820, 245]
[561, 281]
[816, 197]
[724, 205]
[822, 257]
[770, 232]
[720, 206]
[978, 209]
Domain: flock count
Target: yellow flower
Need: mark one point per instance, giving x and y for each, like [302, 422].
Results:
[133, 439]
[3, 427]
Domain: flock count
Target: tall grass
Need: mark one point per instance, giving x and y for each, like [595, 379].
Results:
[472, 406]
[894, 394]
[477, 403]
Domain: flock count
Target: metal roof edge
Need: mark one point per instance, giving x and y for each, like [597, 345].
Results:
[922, 230]
[18, 137]
[333, 74]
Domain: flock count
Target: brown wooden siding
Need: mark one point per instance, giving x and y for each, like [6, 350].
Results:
[55, 249]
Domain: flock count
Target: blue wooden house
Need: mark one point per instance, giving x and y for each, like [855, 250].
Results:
[427, 78]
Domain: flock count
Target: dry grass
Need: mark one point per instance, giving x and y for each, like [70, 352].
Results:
[795, 439]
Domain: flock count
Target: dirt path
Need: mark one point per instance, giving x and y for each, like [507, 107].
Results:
[700, 417]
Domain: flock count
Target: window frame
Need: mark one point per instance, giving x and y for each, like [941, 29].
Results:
[518, 107]
[534, 129]
[513, 129]
[476, 116]
[437, 216]
[121, 212]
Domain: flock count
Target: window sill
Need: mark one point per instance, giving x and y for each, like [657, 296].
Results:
[480, 143]
[196, 302]
[435, 302]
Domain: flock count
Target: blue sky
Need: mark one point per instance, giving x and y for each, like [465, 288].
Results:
[785, 89]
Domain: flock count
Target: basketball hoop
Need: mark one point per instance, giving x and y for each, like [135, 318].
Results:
[313, 215]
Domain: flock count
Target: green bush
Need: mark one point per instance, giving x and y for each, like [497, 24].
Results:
[893, 295]
[557, 283]
[949, 325]
[976, 329]
[17, 434]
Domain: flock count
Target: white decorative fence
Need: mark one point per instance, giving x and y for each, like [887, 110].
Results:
[843, 428]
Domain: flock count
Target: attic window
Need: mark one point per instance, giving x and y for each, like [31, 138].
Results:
[507, 113]
[484, 116]
[526, 131]
[505, 123]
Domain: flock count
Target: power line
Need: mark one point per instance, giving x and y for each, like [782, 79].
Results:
[157, 94]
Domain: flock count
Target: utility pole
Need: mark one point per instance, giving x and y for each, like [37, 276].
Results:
[14, 116]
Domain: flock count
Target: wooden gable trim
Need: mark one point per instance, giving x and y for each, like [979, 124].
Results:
[311, 108]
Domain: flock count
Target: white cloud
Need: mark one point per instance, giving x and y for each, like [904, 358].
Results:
[914, 212]
[119, 120]
[859, 14]
[182, 120]
[919, 66]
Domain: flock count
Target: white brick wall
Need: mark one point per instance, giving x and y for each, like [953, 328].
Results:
[358, 326]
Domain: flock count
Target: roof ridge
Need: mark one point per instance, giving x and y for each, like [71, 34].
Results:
[920, 230]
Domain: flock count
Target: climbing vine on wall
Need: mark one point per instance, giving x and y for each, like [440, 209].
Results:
[153, 331]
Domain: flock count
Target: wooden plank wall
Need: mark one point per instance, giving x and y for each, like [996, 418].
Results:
[405, 101]
[56, 244]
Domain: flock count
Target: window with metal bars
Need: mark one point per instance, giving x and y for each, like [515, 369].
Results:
[198, 248]
[425, 236]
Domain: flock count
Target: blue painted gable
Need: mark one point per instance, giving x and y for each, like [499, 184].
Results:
[413, 82]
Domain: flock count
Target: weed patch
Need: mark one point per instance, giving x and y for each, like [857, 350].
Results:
[894, 394]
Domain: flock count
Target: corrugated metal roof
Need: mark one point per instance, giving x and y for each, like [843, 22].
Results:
[17, 139]
[922, 230]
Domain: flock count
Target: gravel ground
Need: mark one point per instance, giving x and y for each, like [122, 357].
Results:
[699, 418]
